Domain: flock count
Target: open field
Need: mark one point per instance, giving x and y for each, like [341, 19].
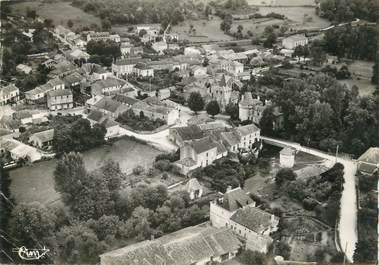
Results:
[256, 26]
[361, 72]
[281, 2]
[206, 30]
[296, 16]
[36, 182]
[59, 12]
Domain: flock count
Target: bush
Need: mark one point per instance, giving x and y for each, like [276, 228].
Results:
[163, 165]
[283, 175]
[309, 204]
[282, 249]
[138, 170]
[295, 190]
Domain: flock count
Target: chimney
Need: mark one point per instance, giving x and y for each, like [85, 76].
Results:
[152, 237]
[229, 188]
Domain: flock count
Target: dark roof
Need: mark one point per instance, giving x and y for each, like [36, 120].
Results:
[109, 123]
[125, 99]
[59, 92]
[252, 218]
[235, 199]
[203, 145]
[95, 115]
[108, 104]
[130, 61]
[184, 247]
[231, 138]
[189, 132]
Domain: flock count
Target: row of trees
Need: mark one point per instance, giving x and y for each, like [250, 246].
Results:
[348, 10]
[353, 42]
[320, 112]
[137, 12]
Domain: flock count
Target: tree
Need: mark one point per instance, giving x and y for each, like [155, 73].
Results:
[283, 249]
[106, 24]
[226, 23]
[195, 102]
[69, 171]
[250, 257]
[213, 108]
[31, 13]
[232, 110]
[284, 175]
[317, 53]
[70, 24]
[366, 251]
[79, 244]
[270, 40]
[32, 224]
[267, 121]
[142, 32]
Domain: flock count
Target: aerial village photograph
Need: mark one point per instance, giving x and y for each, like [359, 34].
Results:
[189, 132]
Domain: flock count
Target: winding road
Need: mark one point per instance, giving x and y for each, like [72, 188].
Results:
[348, 215]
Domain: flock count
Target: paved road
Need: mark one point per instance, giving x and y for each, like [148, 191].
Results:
[348, 215]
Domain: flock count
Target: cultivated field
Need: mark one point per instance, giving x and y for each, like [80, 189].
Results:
[59, 12]
[205, 30]
[36, 182]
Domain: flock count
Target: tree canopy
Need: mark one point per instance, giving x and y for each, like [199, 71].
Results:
[213, 108]
[196, 102]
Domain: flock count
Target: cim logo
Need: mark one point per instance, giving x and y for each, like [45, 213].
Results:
[31, 254]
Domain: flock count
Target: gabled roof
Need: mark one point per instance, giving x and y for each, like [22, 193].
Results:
[184, 247]
[231, 138]
[253, 218]
[369, 160]
[59, 93]
[189, 132]
[193, 185]
[235, 199]
[56, 81]
[96, 116]
[203, 145]
[108, 104]
[108, 123]
[125, 99]
[8, 89]
[44, 136]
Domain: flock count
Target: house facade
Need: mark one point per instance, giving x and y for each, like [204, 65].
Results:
[237, 211]
[9, 94]
[60, 99]
[293, 41]
[42, 139]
